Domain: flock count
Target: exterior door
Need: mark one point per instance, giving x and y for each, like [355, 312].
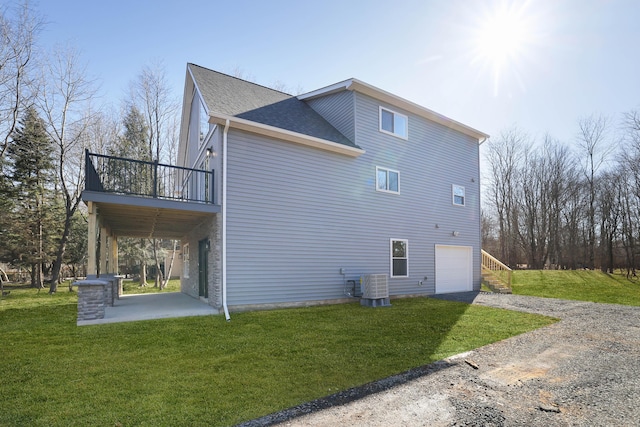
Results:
[454, 269]
[203, 268]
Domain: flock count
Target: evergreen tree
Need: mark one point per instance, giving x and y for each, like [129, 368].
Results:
[133, 143]
[31, 221]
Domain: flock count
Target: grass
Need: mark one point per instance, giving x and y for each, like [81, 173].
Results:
[133, 287]
[205, 371]
[582, 285]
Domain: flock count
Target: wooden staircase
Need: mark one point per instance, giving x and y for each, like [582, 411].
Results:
[495, 275]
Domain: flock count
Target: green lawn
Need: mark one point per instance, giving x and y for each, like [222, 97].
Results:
[579, 285]
[205, 371]
[131, 287]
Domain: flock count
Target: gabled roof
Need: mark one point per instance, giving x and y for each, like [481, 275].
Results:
[379, 94]
[227, 96]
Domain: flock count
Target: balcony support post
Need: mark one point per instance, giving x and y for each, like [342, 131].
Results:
[104, 254]
[92, 266]
[114, 254]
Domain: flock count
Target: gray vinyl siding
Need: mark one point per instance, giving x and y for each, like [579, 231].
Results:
[338, 110]
[432, 159]
[296, 215]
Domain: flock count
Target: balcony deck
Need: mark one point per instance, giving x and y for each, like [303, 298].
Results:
[148, 199]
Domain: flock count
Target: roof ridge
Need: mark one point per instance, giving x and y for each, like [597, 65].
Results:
[238, 78]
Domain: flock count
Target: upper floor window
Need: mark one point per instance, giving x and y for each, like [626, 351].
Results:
[204, 122]
[394, 123]
[387, 180]
[457, 194]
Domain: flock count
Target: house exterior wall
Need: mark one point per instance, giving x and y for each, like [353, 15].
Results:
[430, 161]
[339, 110]
[296, 216]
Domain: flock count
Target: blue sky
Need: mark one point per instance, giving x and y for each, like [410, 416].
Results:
[560, 60]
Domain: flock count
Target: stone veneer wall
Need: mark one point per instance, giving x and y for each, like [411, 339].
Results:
[96, 293]
[209, 229]
[91, 299]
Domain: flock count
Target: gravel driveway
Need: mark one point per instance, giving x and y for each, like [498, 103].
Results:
[583, 370]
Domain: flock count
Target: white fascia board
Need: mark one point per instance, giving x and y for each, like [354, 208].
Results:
[328, 90]
[283, 134]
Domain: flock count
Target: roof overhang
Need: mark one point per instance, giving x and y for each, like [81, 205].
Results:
[283, 134]
[379, 94]
[145, 217]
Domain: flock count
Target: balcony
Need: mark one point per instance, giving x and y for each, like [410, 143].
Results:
[148, 199]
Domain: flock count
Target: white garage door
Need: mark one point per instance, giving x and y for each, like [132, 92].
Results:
[454, 269]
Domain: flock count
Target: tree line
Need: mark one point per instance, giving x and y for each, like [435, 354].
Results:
[549, 204]
[49, 115]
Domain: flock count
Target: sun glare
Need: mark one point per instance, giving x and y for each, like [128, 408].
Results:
[502, 39]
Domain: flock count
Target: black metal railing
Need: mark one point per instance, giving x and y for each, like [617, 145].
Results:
[118, 175]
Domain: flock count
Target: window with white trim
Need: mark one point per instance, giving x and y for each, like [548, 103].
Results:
[185, 260]
[394, 123]
[204, 122]
[387, 180]
[457, 192]
[399, 257]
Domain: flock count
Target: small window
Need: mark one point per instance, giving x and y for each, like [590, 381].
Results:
[458, 195]
[204, 122]
[185, 261]
[387, 180]
[399, 258]
[394, 123]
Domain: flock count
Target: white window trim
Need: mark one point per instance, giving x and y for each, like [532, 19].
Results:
[379, 168]
[395, 113]
[453, 195]
[185, 260]
[391, 257]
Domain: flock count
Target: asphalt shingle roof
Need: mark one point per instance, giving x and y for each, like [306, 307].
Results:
[236, 97]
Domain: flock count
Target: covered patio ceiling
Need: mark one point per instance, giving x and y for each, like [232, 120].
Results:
[144, 217]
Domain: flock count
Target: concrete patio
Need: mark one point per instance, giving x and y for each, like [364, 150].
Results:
[131, 308]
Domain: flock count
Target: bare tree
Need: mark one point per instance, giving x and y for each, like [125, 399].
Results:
[531, 209]
[154, 98]
[173, 138]
[630, 193]
[596, 148]
[18, 37]
[504, 156]
[66, 103]
[610, 194]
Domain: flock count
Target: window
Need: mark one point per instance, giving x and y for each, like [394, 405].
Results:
[458, 195]
[185, 261]
[394, 123]
[387, 180]
[399, 258]
[204, 122]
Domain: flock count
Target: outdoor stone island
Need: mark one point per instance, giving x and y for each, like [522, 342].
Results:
[95, 293]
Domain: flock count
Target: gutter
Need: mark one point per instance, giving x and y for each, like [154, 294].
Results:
[224, 221]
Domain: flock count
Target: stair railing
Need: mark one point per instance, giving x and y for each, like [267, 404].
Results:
[497, 268]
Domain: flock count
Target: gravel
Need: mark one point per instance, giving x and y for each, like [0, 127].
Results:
[583, 370]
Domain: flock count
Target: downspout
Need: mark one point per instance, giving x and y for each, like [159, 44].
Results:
[224, 221]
